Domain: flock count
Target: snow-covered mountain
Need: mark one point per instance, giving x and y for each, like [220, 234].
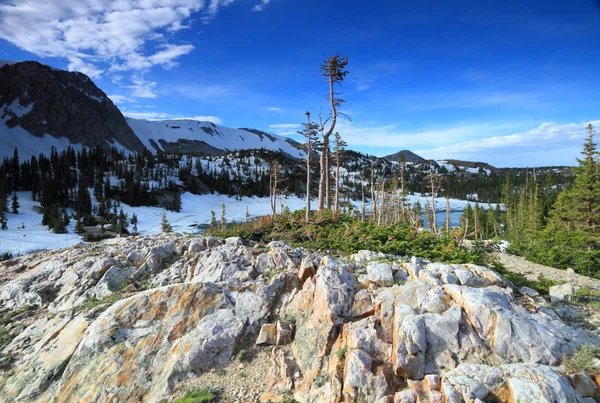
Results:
[43, 107]
[193, 137]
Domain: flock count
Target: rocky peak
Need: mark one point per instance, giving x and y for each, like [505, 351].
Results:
[140, 318]
[43, 100]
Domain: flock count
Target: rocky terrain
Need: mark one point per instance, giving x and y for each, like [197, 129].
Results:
[144, 318]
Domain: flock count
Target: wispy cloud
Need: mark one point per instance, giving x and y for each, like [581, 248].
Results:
[274, 109]
[151, 115]
[261, 6]
[120, 99]
[142, 88]
[285, 129]
[559, 144]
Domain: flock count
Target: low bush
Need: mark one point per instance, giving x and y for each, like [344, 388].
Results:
[346, 234]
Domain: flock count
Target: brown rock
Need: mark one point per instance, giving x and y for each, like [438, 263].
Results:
[268, 334]
[284, 333]
[362, 305]
[270, 397]
[432, 382]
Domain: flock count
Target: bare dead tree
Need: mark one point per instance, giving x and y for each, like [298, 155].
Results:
[447, 220]
[310, 133]
[362, 210]
[333, 69]
[373, 195]
[339, 150]
[434, 183]
[274, 181]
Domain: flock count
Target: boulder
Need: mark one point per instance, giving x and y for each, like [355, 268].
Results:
[380, 274]
[562, 292]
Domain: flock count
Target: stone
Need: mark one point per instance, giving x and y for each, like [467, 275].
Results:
[529, 292]
[562, 292]
[284, 333]
[308, 268]
[432, 382]
[406, 396]
[270, 397]
[362, 305]
[584, 385]
[187, 327]
[380, 274]
[268, 334]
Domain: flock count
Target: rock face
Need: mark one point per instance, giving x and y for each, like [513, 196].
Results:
[132, 319]
[61, 104]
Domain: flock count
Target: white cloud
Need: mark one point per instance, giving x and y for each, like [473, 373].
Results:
[146, 115]
[286, 129]
[261, 6]
[285, 126]
[274, 109]
[119, 99]
[142, 88]
[557, 144]
[214, 119]
[150, 115]
[125, 34]
[76, 64]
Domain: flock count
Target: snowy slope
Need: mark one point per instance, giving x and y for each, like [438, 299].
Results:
[222, 138]
[28, 144]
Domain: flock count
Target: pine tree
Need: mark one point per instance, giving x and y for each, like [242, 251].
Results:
[3, 208]
[79, 229]
[334, 69]
[164, 224]
[15, 203]
[213, 221]
[134, 222]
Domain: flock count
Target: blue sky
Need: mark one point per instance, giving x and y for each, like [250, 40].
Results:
[507, 82]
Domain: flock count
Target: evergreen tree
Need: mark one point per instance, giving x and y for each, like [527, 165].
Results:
[79, 229]
[213, 220]
[122, 223]
[164, 224]
[3, 208]
[15, 203]
[134, 221]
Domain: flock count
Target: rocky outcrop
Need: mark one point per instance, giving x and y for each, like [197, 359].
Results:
[43, 100]
[132, 319]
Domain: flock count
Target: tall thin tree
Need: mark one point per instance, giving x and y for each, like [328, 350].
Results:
[333, 69]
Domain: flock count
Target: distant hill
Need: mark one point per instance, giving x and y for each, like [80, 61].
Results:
[409, 156]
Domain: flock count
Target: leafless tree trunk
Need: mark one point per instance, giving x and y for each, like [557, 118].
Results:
[373, 195]
[362, 210]
[447, 222]
[274, 188]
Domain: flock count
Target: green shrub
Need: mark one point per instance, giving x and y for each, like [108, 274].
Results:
[341, 353]
[582, 359]
[202, 395]
[542, 285]
[347, 234]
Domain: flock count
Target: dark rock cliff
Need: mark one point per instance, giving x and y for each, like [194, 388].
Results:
[63, 104]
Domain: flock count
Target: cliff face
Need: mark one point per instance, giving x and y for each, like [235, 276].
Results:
[133, 319]
[43, 100]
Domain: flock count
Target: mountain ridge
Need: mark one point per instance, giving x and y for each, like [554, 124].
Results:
[43, 107]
